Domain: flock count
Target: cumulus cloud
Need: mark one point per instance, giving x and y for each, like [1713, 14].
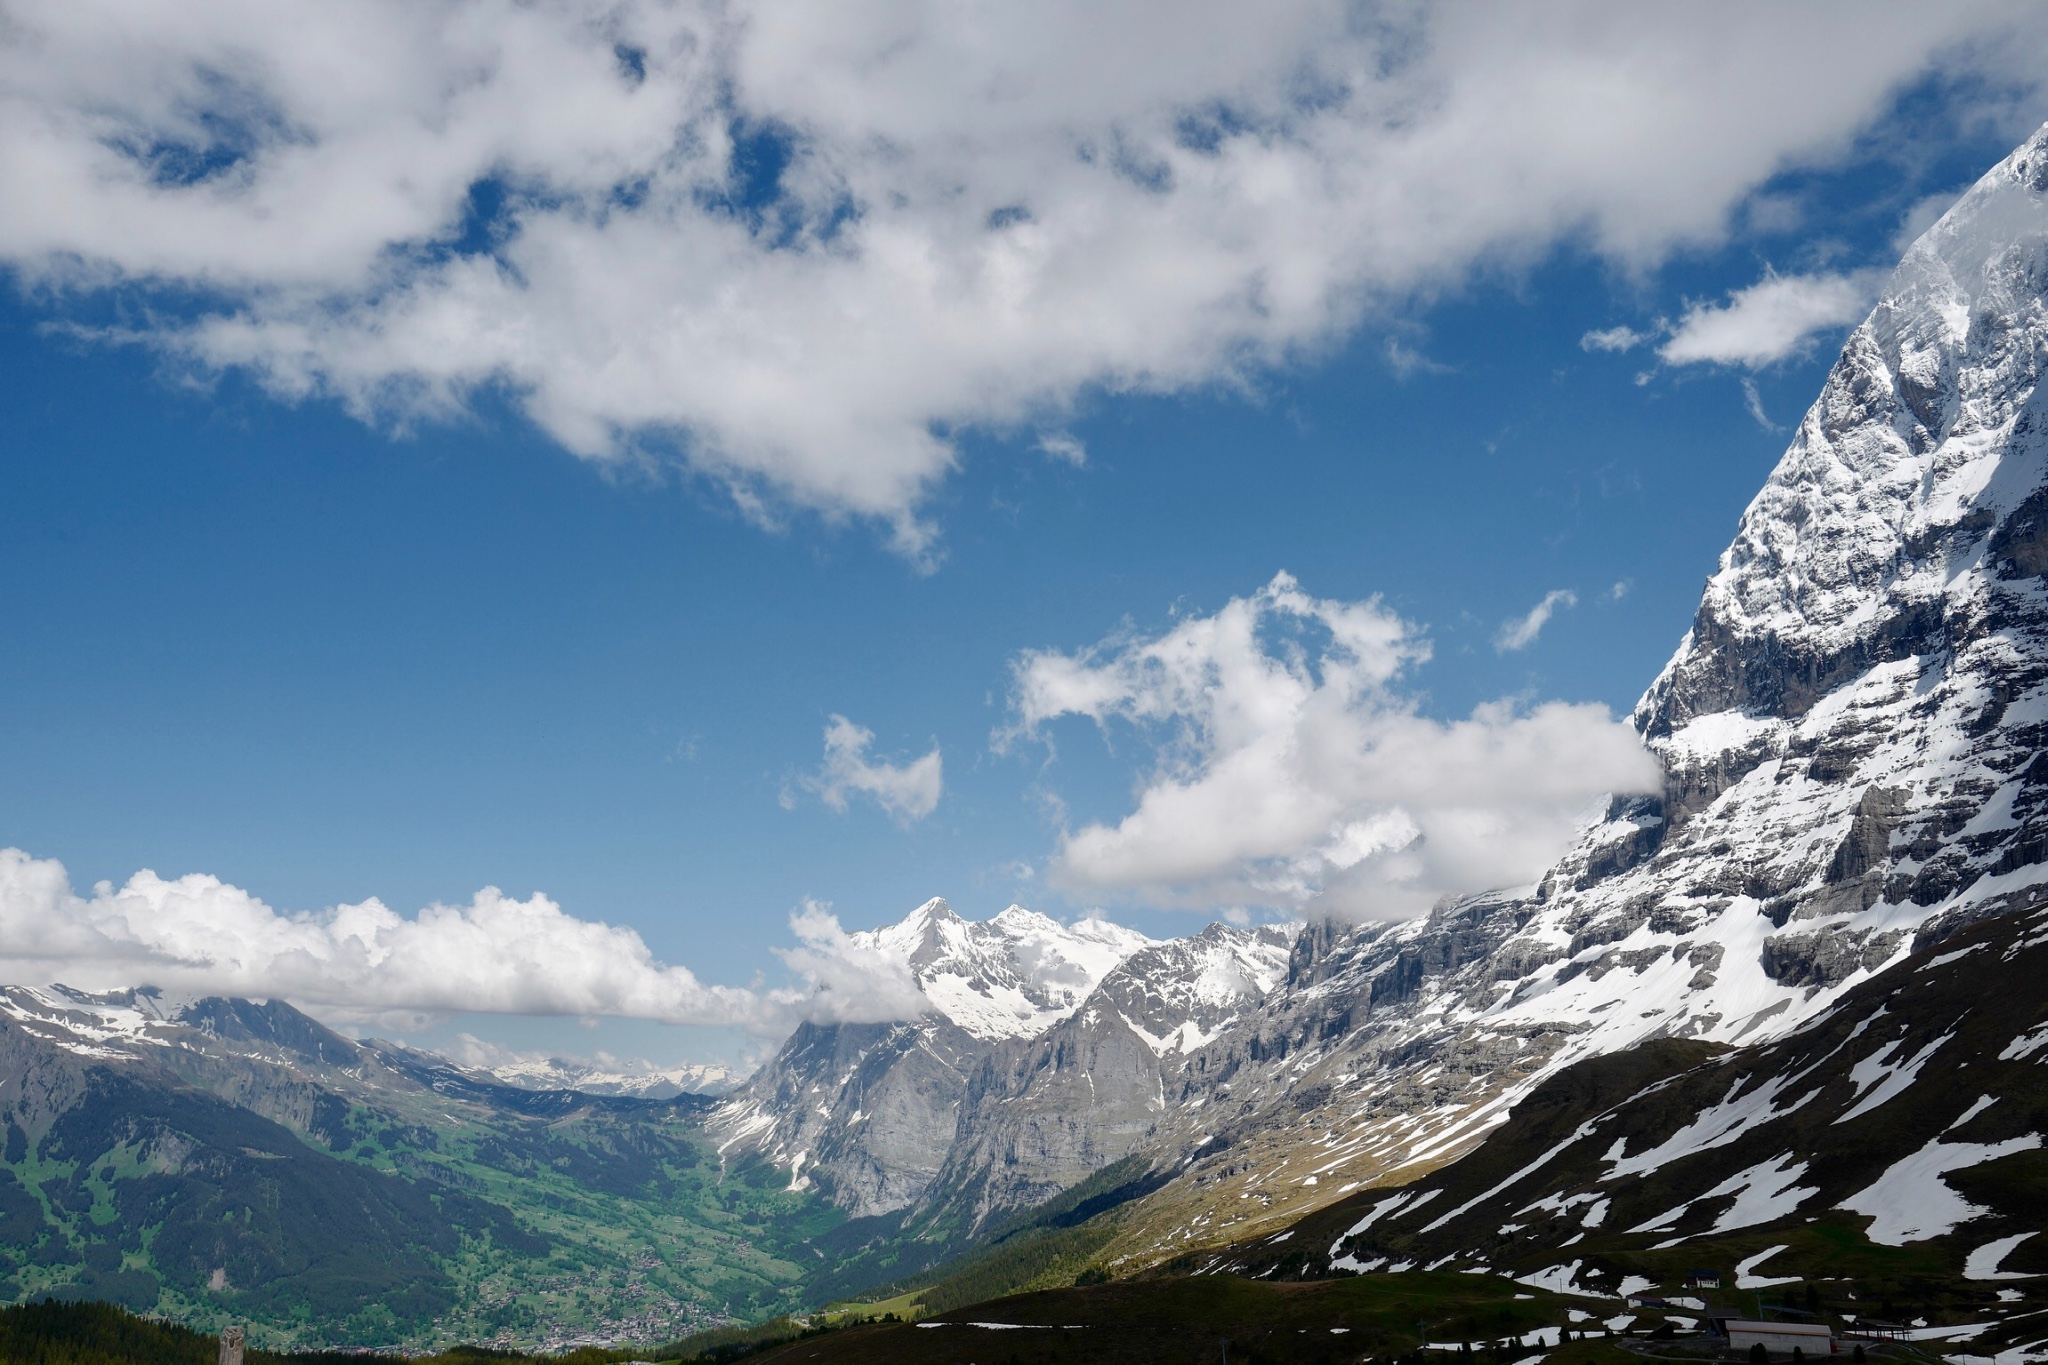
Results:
[1293, 773]
[907, 791]
[496, 954]
[801, 246]
[853, 978]
[199, 935]
[1771, 319]
[1521, 632]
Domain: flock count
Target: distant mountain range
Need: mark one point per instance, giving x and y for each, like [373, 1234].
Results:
[644, 1080]
[1785, 1015]
[225, 1160]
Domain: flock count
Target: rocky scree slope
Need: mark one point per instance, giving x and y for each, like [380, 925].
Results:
[1851, 735]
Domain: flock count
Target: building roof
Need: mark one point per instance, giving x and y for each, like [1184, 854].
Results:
[1797, 1329]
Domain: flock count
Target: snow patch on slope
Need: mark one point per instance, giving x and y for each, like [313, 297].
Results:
[1910, 1202]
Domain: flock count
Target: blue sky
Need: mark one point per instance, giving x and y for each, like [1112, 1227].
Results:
[324, 647]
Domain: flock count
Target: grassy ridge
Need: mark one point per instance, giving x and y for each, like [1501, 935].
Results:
[1051, 1245]
[1131, 1323]
[1174, 1321]
[80, 1332]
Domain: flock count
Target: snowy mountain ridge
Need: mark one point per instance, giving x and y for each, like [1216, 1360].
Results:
[1850, 734]
[110, 1025]
[886, 1117]
[1911, 1114]
[1196, 987]
[610, 1076]
[1012, 976]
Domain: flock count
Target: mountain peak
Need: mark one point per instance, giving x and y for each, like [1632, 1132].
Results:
[935, 910]
[1011, 976]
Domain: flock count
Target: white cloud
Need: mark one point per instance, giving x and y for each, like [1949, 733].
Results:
[799, 246]
[1521, 632]
[1406, 362]
[1771, 319]
[907, 791]
[852, 980]
[1615, 339]
[1923, 215]
[1293, 774]
[1065, 447]
[497, 955]
[1753, 403]
[198, 935]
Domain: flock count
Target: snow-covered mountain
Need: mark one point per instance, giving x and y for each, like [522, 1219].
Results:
[1910, 1115]
[611, 1077]
[893, 1118]
[1852, 737]
[185, 1031]
[1851, 734]
[1013, 976]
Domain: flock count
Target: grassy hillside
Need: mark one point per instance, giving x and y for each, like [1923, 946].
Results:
[82, 1333]
[1175, 1321]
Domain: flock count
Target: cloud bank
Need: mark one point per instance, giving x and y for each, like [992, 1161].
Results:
[800, 246]
[1292, 772]
[907, 791]
[199, 935]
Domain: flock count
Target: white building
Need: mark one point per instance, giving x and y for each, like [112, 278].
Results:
[1814, 1338]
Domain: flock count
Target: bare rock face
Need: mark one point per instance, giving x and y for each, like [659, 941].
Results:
[866, 1112]
[1045, 1114]
[1852, 735]
[1044, 1057]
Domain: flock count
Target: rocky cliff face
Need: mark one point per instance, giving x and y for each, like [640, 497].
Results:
[1851, 734]
[1043, 1058]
